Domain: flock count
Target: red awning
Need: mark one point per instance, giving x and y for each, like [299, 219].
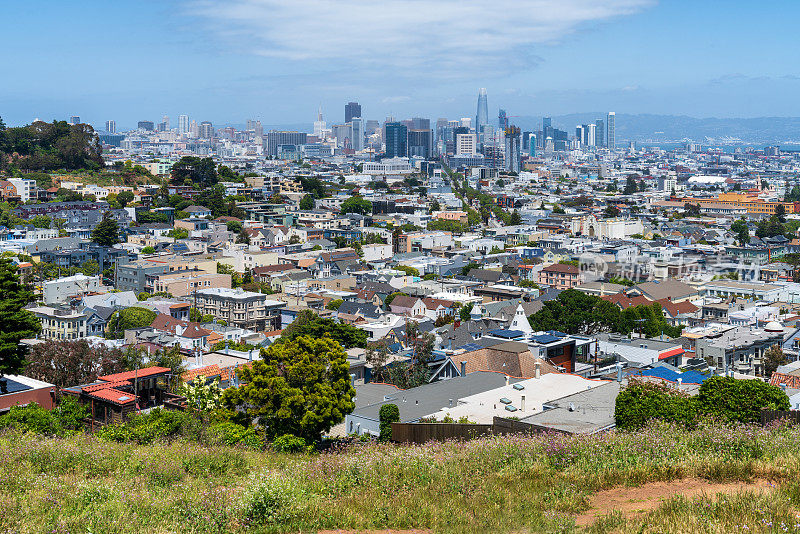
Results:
[670, 353]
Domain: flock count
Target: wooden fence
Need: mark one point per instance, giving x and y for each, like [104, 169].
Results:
[424, 432]
[770, 416]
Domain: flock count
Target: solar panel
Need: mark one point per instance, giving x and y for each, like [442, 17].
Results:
[11, 386]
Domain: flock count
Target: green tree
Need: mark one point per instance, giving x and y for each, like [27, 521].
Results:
[178, 233]
[465, 311]
[388, 414]
[773, 358]
[575, 312]
[356, 204]
[192, 170]
[90, 268]
[611, 211]
[148, 250]
[40, 221]
[314, 186]
[133, 317]
[446, 225]
[642, 401]
[391, 296]
[739, 228]
[630, 185]
[17, 322]
[410, 271]
[300, 387]
[125, 198]
[243, 237]
[739, 401]
[516, 218]
[307, 203]
[310, 324]
[334, 304]
[106, 233]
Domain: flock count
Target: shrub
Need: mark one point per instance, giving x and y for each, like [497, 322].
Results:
[388, 414]
[642, 401]
[271, 498]
[725, 398]
[230, 433]
[740, 400]
[64, 419]
[289, 443]
[158, 424]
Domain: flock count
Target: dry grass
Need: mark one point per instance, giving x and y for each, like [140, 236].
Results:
[496, 484]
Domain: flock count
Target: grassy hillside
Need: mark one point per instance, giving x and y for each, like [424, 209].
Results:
[500, 484]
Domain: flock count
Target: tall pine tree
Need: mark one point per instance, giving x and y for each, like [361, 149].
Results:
[18, 323]
[106, 233]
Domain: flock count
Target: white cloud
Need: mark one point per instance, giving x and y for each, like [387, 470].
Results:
[396, 99]
[447, 38]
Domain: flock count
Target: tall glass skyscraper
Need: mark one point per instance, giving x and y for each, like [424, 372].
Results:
[611, 138]
[396, 140]
[482, 118]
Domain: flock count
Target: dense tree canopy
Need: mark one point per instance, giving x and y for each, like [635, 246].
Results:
[133, 317]
[309, 323]
[575, 312]
[300, 387]
[356, 204]
[17, 323]
[50, 146]
[69, 363]
[106, 233]
[192, 170]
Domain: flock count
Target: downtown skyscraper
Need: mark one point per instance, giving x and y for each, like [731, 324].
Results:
[611, 124]
[482, 117]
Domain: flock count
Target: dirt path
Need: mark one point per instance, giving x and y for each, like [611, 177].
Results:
[415, 531]
[632, 501]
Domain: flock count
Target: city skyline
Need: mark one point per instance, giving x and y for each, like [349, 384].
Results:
[537, 58]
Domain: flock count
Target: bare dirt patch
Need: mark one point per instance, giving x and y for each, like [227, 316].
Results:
[632, 501]
[415, 531]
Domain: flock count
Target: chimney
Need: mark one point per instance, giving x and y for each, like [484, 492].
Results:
[450, 403]
[463, 368]
[538, 370]
[619, 372]
[680, 382]
[507, 379]
[522, 403]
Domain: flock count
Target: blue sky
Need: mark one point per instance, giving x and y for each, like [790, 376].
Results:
[277, 60]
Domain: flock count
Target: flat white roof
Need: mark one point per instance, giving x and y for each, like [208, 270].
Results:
[483, 407]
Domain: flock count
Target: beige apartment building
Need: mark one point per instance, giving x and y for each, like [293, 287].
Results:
[183, 283]
[243, 309]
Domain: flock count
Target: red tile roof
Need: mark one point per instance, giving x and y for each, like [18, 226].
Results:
[208, 371]
[105, 385]
[130, 375]
[675, 309]
[791, 381]
[114, 395]
[625, 302]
